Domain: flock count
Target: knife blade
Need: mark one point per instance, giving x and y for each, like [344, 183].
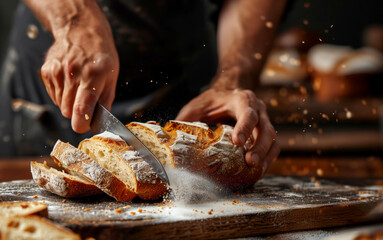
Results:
[103, 120]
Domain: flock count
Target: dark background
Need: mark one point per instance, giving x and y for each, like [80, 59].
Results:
[348, 17]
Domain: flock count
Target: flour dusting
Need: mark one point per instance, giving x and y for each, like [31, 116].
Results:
[187, 187]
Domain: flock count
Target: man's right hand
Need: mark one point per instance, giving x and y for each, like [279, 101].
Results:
[81, 67]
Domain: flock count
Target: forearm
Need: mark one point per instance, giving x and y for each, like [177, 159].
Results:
[61, 17]
[245, 32]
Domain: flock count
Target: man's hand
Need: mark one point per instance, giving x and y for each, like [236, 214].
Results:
[81, 67]
[252, 126]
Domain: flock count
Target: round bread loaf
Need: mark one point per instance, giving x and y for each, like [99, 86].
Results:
[199, 149]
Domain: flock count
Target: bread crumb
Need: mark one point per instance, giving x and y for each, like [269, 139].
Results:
[118, 210]
[18, 194]
[127, 206]
[269, 24]
[210, 212]
[90, 238]
[140, 210]
[87, 209]
[86, 116]
[235, 202]
[63, 201]
[133, 213]
[35, 196]
[22, 188]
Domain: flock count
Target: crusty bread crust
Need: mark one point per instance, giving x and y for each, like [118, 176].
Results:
[70, 157]
[199, 149]
[120, 159]
[61, 183]
[33, 228]
[23, 208]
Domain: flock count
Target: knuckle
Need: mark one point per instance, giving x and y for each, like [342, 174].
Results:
[261, 104]
[251, 113]
[56, 69]
[250, 94]
[81, 108]
[262, 149]
[271, 130]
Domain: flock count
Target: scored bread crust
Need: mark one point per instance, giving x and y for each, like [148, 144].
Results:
[199, 149]
[112, 153]
[73, 159]
[23, 208]
[61, 183]
[33, 228]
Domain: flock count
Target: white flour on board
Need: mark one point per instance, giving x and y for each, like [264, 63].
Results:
[187, 187]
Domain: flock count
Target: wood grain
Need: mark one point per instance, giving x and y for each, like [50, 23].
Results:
[275, 204]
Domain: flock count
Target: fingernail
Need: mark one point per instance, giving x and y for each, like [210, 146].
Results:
[255, 159]
[242, 138]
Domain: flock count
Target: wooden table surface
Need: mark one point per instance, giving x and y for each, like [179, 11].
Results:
[316, 169]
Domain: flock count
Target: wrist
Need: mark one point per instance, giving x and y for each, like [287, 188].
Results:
[234, 75]
[82, 16]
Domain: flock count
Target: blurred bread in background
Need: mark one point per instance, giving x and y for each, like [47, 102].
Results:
[287, 62]
[342, 72]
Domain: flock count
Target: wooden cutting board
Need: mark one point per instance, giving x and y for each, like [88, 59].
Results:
[275, 204]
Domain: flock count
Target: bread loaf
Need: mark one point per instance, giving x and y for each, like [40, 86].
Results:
[23, 208]
[199, 149]
[71, 158]
[61, 183]
[33, 228]
[113, 154]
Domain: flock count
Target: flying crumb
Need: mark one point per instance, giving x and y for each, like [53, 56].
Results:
[269, 24]
[86, 116]
[118, 210]
[348, 114]
[273, 102]
[305, 22]
[325, 116]
[319, 172]
[258, 56]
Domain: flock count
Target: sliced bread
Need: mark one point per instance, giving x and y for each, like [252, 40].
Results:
[73, 159]
[33, 228]
[113, 154]
[61, 183]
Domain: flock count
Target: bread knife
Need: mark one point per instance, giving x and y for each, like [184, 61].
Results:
[103, 120]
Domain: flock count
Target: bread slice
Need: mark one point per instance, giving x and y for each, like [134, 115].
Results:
[113, 153]
[33, 228]
[61, 183]
[199, 149]
[71, 158]
[154, 137]
[23, 208]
